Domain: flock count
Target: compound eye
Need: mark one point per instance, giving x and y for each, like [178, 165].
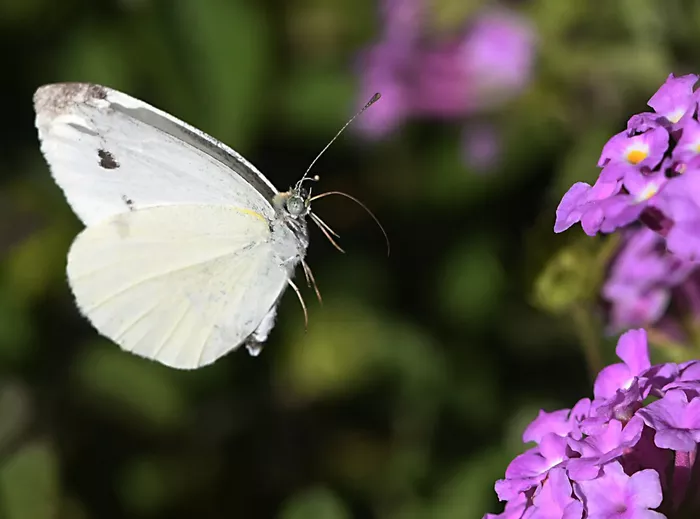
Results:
[295, 205]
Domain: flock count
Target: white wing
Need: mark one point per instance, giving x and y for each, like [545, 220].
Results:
[182, 285]
[110, 152]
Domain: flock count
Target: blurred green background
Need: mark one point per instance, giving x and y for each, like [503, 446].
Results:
[408, 395]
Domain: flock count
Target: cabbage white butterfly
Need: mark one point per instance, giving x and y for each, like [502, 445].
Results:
[187, 247]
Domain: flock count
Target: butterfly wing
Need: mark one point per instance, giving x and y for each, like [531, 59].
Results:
[182, 285]
[111, 153]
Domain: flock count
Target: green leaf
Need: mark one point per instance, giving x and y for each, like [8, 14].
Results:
[29, 483]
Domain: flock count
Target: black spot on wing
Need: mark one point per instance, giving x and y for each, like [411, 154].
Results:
[58, 98]
[107, 160]
[129, 202]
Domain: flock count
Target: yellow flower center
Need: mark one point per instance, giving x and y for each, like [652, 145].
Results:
[636, 156]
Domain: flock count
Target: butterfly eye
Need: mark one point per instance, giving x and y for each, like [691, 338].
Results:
[295, 205]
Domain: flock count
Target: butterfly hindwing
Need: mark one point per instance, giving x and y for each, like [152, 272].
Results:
[182, 285]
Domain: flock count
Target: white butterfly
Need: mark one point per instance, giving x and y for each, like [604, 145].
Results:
[187, 247]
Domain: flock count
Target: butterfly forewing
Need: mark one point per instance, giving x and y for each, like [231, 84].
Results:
[111, 153]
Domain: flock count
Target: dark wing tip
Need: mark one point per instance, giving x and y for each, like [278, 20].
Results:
[56, 97]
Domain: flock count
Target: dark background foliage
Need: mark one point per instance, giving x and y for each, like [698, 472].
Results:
[407, 396]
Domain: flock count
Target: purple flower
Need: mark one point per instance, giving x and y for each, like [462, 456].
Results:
[610, 442]
[617, 495]
[383, 71]
[658, 378]
[564, 422]
[641, 185]
[571, 207]
[687, 377]
[609, 181]
[556, 422]
[678, 202]
[675, 420]
[632, 349]
[651, 175]
[386, 66]
[497, 56]
[514, 509]
[624, 457]
[441, 89]
[675, 97]
[421, 74]
[688, 146]
[487, 64]
[554, 500]
[401, 21]
[642, 122]
[646, 149]
[642, 279]
[595, 211]
[634, 304]
[531, 467]
[621, 406]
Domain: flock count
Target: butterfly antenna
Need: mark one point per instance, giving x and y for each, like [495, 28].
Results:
[376, 220]
[326, 230]
[373, 100]
[311, 280]
[303, 305]
[327, 227]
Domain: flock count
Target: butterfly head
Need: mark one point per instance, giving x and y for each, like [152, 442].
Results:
[295, 203]
[298, 202]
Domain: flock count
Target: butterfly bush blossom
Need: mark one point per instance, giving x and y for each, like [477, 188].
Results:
[650, 173]
[428, 75]
[628, 453]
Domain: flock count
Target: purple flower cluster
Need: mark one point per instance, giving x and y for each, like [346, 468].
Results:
[650, 173]
[643, 278]
[629, 453]
[423, 74]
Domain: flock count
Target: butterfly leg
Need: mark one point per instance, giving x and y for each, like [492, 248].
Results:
[311, 280]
